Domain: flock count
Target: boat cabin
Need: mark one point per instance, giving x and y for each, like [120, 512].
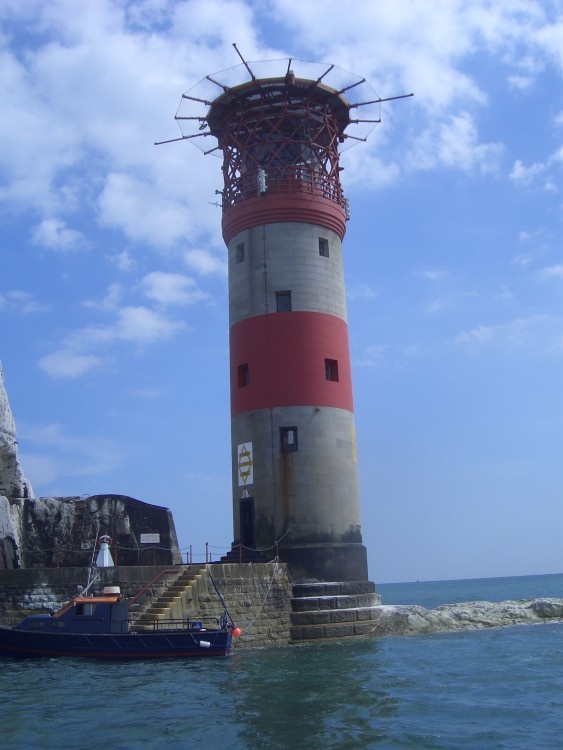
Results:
[107, 613]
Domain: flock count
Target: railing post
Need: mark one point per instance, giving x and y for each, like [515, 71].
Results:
[240, 552]
[206, 552]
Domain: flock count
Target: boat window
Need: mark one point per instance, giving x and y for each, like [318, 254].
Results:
[85, 610]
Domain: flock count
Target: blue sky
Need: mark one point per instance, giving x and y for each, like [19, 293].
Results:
[113, 290]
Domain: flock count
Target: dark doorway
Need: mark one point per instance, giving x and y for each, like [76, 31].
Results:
[247, 522]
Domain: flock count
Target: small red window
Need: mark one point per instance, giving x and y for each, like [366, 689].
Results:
[331, 369]
[243, 376]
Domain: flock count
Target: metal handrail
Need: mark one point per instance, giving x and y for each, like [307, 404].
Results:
[151, 582]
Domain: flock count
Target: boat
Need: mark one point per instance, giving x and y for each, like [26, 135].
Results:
[98, 627]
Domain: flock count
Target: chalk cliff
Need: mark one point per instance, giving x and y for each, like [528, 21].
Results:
[12, 481]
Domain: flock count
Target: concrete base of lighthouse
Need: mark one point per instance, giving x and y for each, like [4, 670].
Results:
[325, 562]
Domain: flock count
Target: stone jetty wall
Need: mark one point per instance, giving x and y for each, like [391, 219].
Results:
[258, 597]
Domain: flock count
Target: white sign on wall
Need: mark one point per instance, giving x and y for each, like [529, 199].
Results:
[150, 538]
[245, 464]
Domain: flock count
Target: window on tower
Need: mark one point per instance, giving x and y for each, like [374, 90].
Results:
[243, 376]
[239, 252]
[283, 301]
[331, 369]
[323, 247]
[288, 439]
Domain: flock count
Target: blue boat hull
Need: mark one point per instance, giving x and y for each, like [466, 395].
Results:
[126, 646]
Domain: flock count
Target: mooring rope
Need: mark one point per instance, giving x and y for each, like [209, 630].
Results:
[274, 574]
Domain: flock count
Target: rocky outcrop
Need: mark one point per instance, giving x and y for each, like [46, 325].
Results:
[63, 531]
[414, 620]
[51, 532]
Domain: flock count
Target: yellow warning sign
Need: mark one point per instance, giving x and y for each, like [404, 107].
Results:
[245, 464]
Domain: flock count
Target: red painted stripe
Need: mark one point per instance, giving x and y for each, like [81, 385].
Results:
[285, 354]
[271, 209]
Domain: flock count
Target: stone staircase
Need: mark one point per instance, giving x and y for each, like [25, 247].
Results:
[333, 610]
[172, 603]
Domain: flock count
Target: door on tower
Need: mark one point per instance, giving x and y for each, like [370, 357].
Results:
[247, 538]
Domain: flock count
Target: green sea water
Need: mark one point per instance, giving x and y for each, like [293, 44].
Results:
[497, 688]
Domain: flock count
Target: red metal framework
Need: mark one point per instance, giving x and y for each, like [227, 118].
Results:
[279, 125]
[279, 136]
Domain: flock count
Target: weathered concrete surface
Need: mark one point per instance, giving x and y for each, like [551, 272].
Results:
[414, 620]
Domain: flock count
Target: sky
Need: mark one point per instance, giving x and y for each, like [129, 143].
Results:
[113, 286]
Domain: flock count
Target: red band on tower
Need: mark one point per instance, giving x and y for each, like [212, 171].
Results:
[290, 359]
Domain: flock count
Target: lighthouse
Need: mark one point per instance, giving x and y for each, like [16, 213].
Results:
[279, 127]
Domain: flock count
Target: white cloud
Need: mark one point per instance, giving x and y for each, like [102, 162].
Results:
[522, 175]
[475, 336]
[368, 170]
[521, 82]
[66, 363]
[536, 331]
[454, 143]
[386, 357]
[360, 291]
[434, 276]
[101, 85]
[20, 302]
[55, 235]
[54, 454]
[110, 301]
[205, 262]
[147, 393]
[124, 261]
[133, 206]
[552, 272]
[448, 301]
[172, 289]
[375, 356]
[134, 325]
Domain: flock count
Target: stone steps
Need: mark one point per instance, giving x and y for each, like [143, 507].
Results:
[340, 609]
[171, 603]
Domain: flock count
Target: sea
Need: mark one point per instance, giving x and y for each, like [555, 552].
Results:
[494, 688]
